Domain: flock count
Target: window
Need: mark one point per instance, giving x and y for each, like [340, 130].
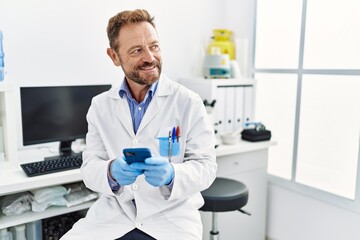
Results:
[307, 66]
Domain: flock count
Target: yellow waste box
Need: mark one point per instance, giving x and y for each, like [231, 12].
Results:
[222, 40]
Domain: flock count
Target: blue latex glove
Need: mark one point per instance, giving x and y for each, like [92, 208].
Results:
[123, 173]
[157, 170]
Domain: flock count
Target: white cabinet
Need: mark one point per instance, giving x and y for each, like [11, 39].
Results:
[8, 142]
[14, 180]
[234, 100]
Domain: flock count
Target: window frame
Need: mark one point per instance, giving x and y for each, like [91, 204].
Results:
[352, 205]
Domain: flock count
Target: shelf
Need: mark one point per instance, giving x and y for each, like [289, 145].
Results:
[219, 82]
[9, 221]
[13, 179]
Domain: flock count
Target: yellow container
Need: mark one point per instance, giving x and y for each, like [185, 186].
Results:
[222, 40]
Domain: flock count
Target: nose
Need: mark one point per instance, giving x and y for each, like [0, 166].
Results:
[148, 55]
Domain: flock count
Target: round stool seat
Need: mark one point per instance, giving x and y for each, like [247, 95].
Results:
[225, 195]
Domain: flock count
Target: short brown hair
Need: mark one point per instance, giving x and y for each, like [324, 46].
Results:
[123, 18]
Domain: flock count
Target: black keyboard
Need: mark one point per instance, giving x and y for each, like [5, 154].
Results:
[59, 164]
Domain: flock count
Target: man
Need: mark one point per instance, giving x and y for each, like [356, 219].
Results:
[160, 198]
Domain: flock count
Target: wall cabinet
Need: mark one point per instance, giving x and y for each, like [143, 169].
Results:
[234, 100]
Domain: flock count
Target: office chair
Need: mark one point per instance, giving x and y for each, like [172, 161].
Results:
[224, 195]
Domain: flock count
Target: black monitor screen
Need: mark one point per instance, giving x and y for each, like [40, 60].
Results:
[56, 113]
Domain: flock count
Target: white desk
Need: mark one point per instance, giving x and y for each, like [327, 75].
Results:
[245, 162]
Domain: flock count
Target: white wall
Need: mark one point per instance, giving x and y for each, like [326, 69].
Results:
[50, 42]
[293, 216]
[60, 42]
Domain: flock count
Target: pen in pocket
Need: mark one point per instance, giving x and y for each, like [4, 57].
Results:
[170, 146]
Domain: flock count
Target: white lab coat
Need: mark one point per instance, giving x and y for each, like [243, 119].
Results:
[158, 212]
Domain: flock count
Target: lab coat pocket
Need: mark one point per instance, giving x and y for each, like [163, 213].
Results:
[167, 147]
[169, 143]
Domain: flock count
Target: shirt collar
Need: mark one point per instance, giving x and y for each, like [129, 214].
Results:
[124, 89]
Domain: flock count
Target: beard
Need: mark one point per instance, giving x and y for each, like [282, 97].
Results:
[141, 78]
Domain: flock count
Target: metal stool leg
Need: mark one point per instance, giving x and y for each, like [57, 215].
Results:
[214, 233]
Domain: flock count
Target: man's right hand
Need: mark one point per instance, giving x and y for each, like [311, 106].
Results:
[122, 173]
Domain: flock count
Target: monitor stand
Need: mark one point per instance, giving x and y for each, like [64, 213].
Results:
[64, 150]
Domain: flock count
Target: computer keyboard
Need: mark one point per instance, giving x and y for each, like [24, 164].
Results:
[62, 163]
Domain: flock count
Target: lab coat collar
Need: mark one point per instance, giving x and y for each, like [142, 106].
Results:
[122, 111]
[164, 88]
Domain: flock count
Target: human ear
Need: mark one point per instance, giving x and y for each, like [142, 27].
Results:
[114, 57]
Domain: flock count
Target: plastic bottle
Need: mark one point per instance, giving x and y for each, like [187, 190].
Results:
[2, 70]
[19, 232]
[5, 234]
[34, 230]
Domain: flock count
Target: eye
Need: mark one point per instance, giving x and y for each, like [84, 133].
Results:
[136, 51]
[155, 47]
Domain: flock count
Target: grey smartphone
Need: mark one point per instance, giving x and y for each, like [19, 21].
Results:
[136, 154]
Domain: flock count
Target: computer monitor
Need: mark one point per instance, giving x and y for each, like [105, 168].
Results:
[56, 113]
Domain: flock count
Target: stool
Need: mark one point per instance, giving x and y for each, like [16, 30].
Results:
[224, 195]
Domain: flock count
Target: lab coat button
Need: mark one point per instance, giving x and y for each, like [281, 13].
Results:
[135, 142]
[135, 187]
[138, 225]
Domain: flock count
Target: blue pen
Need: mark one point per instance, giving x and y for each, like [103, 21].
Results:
[173, 134]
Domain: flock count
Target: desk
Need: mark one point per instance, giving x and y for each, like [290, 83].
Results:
[244, 161]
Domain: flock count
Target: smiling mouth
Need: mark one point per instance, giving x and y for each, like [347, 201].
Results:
[147, 68]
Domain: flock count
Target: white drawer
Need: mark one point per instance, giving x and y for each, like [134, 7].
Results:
[243, 162]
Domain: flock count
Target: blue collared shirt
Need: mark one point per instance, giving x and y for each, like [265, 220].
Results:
[137, 110]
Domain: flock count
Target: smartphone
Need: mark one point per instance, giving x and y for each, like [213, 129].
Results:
[136, 154]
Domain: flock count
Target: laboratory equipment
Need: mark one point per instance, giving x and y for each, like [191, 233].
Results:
[230, 138]
[257, 133]
[216, 66]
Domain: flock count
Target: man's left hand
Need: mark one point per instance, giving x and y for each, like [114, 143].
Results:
[157, 170]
